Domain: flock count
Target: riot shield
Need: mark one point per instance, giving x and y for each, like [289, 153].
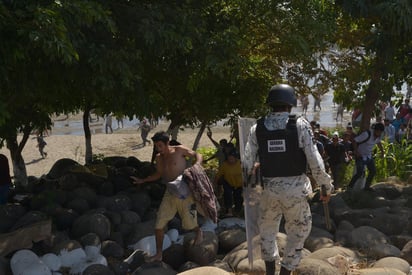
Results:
[251, 195]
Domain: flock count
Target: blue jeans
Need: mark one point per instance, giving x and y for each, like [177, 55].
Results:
[360, 170]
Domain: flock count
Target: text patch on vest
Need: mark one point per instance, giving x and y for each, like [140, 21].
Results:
[276, 145]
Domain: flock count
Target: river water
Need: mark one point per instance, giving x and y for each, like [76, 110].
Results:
[325, 117]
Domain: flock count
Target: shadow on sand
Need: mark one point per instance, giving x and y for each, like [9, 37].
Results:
[138, 146]
[34, 161]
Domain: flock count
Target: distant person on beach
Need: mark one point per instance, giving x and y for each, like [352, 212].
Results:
[119, 119]
[305, 104]
[170, 166]
[41, 144]
[5, 179]
[144, 131]
[339, 112]
[108, 123]
[316, 102]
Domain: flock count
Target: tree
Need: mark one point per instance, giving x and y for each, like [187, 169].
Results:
[38, 50]
[373, 51]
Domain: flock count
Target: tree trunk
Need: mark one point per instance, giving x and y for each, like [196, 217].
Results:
[371, 97]
[87, 135]
[19, 167]
[199, 136]
[173, 129]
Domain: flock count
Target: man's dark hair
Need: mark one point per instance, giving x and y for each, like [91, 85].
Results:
[161, 136]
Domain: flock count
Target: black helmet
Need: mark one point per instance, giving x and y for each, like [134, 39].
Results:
[378, 126]
[281, 94]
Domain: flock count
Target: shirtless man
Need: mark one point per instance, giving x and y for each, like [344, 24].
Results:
[170, 164]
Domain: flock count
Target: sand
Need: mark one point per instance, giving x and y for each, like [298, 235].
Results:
[123, 142]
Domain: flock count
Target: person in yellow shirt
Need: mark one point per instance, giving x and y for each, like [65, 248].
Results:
[229, 176]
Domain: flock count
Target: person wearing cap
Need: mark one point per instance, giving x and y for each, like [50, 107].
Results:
[282, 146]
[362, 152]
[170, 166]
[336, 156]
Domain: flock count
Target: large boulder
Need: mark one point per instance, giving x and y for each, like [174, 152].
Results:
[92, 223]
[61, 168]
[202, 253]
[393, 262]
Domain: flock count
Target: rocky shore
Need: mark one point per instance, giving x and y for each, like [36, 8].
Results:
[99, 223]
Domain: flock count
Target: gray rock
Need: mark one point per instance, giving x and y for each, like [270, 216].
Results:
[314, 243]
[400, 240]
[258, 267]
[140, 202]
[91, 239]
[92, 223]
[114, 217]
[383, 250]
[174, 256]
[325, 253]
[129, 217]
[159, 268]
[86, 193]
[61, 168]
[118, 203]
[203, 253]
[30, 217]
[380, 271]
[9, 214]
[222, 265]
[139, 231]
[97, 269]
[406, 252]
[112, 249]
[231, 238]
[68, 245]
[310, 266]
[205, 270]
[80, 205]
[393, 262]
[364, 237]
[64, 218]
[68, 182]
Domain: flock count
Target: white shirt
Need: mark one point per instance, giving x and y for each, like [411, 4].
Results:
[390, 133]
[390, 112]
[365, 148]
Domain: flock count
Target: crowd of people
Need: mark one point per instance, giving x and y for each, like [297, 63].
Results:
[398, 122]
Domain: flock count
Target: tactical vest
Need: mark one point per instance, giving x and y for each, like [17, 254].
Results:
[279, 152]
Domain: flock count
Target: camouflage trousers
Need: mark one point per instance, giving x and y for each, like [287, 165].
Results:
[281, 198]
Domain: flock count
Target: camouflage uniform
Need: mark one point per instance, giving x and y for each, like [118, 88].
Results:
[286, 196]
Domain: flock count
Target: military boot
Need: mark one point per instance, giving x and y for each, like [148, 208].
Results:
[270, 267]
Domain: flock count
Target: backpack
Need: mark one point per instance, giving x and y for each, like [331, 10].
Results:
[369, 135]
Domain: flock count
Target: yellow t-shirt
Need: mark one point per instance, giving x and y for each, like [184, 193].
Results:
[232, 173]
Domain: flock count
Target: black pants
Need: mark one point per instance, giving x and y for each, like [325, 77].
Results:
[360, 169]
[232, 195]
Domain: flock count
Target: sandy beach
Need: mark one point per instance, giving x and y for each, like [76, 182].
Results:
[123, 142]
